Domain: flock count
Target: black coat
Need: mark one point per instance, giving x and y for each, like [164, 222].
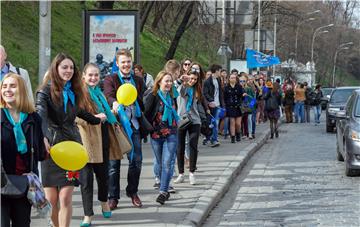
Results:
[233, 95]
[9, 147]
[209, 91]
[57, 125]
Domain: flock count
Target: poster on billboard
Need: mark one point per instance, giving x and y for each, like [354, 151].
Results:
[105, 32]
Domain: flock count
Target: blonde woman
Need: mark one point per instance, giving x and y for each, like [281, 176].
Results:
[20, 131]
[161, 113]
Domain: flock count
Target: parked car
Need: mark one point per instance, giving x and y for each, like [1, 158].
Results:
[326, 95]
[337, 102]
[348, 135]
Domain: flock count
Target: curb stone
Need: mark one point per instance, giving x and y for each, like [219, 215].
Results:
[213, 195]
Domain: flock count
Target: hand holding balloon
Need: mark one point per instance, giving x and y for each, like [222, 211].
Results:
[126, 94]
[69, 155]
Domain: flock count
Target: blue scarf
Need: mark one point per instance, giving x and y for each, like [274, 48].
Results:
[125, 122]
[174, 91]
[169, 112]
[18, 132]
[101, 103]
[189, 102]
[68, 94]
[137, 107]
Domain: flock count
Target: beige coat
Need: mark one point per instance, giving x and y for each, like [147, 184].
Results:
[92, 141]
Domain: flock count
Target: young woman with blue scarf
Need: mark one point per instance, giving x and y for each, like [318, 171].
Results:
[20, 131]
[59, 101]
[188, 104]
[160, 110]
[96, 141]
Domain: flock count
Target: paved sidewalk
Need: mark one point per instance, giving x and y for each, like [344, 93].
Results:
[190, 205]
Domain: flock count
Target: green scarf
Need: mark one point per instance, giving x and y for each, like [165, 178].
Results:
[101, 103]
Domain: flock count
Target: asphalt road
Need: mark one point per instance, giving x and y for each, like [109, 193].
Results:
[294, 180]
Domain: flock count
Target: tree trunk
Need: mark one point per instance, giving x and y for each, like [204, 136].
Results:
[180, 31]
[145, 15]
[159, 14]
[105, 4]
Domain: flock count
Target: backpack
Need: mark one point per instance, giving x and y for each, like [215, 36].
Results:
[314, 98]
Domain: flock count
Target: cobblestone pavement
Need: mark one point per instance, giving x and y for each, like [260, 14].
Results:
[294, 180]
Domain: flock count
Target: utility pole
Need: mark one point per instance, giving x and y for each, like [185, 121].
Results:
[275, 19]
[224, 49]
[44, 37]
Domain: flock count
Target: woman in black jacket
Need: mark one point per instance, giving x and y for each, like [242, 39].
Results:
[59, 101]
[18, 117]
[233, 94]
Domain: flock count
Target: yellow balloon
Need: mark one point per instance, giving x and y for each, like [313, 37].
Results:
[126, 94]
[69, 155]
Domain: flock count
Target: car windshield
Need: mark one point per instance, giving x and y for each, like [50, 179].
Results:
[340, 95]
[357, 107]
[326, 91]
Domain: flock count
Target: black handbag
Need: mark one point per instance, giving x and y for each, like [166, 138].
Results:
[16, 185]
[185, 121]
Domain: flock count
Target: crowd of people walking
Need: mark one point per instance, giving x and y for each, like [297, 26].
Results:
[172, 111]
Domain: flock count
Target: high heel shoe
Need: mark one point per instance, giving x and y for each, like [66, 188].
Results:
[106, 214]
[85, 224]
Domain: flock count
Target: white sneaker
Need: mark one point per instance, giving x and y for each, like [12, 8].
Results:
[192, 179]
[179, 179]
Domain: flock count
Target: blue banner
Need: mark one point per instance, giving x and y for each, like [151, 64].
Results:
[256, 59]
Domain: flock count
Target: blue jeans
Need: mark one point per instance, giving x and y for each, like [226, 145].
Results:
[299, 112]
[214, 136]
[317, 113]
[165, 158]
[134, 170]
[253, 119]
[226, 126]
[157, 170]
[249, 122]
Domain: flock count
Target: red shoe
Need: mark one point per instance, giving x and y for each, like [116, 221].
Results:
[113, 203]
[136, 200]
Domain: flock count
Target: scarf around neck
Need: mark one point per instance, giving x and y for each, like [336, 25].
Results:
[18, 132]
[68, 94]
[97, 96]
[169, 112]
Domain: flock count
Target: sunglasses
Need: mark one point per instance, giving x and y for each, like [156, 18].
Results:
[195, 70]
[187, 64]
[242, 81]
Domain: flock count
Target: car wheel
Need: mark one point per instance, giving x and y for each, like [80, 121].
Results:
[339, 156]
[348, 171]
[351, 172]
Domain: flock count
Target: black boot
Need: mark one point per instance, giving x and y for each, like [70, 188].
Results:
[276, 134]
[238, 137]
[232, 139]
[272, 135]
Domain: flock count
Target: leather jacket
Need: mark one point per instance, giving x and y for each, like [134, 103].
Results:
[57, 125]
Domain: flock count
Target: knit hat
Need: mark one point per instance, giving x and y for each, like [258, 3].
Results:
[269, 84]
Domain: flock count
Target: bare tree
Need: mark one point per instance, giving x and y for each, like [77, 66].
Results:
[145, 13]
[180, 31]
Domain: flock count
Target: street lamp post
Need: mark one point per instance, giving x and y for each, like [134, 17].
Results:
[317, 31]
[343, 46]
[298, 26]
[297, 32]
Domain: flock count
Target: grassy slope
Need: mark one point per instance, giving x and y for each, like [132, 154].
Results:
[20, 32]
